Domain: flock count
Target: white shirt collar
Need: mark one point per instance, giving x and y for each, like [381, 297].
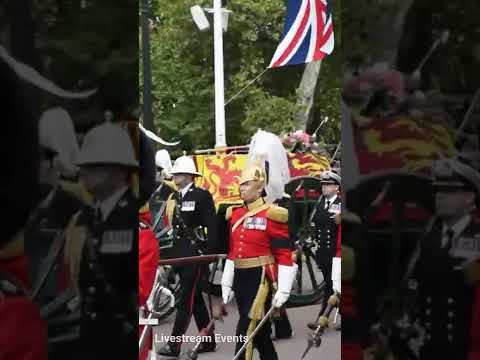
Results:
[108, 204]
[331, 200]
[457, 228]
[186, 188]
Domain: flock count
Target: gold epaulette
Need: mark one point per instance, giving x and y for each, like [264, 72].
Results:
[144, 209]
[228, 213]
[278, 214]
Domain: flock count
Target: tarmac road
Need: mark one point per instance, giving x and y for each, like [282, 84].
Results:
[289, 349]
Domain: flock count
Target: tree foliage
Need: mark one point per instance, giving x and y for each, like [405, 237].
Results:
[183, 76]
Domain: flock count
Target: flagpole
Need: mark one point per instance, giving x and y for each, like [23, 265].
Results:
[220, 140]
[246, 86]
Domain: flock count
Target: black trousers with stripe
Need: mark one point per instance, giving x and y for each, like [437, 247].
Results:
[324, 262]
[245, 285]
[191, 301]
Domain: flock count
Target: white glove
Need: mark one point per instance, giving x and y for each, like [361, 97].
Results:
[337, 274]
[286, 277]
[227, 281]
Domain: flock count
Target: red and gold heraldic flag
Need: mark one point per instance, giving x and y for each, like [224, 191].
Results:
[401, 143]
[220, 173]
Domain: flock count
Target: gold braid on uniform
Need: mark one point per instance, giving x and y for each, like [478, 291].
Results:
[229, 211]
[75, 237]
[144, 209]
[278, 214]
[170, 208]
[257, 311]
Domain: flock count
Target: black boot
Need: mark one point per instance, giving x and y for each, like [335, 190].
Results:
[314, 325]
[207, 347]
[169, 350]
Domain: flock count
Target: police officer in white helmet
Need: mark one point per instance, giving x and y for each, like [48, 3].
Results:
[188, 209]
[102, 246]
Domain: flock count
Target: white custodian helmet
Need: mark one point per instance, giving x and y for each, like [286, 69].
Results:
[107, 144]
[57, 133]
[162, 160]
[185, 165]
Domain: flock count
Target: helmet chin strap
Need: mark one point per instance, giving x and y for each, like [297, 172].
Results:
[253, 194]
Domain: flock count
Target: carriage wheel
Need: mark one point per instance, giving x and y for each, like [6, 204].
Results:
[309, 284]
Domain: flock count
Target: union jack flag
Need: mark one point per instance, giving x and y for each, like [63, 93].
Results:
[308, 33]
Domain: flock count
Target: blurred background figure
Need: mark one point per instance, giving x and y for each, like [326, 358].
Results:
[23, 333]
[102, 246]
[55, 206]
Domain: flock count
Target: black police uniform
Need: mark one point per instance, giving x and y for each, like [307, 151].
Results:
[325, 236]
[445, 300]
[108, 282]
[195, 209]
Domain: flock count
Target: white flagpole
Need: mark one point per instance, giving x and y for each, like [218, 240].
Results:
[220, 140]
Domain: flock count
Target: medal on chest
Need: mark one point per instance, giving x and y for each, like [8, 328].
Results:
[335, 209]
[255, 223]
[188, 206]
[116, 242]
[466, 248]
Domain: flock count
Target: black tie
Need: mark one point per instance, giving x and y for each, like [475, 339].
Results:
[327, 203]
[450, 235]
[98, 214]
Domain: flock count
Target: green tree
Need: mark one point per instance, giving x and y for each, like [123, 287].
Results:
[183, 78]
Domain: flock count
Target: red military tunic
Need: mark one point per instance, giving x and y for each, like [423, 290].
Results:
[148, 256]
[260, 232]
[23, 334]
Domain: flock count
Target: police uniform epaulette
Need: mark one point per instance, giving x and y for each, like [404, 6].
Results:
[228, 213]
[278, 214]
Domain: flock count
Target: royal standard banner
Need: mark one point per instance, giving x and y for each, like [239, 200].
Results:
[307, 164]
[220, 173]
[401, 143]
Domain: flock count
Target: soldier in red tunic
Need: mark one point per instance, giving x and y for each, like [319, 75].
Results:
[148, 247]
[148, 256]
[259, 261]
